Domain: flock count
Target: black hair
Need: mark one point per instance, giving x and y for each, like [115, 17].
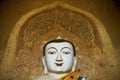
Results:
[58, 41]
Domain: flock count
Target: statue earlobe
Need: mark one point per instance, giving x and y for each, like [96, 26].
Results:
[74, 64]
[45, 67]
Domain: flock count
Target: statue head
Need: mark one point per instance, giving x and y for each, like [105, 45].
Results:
[59, 56]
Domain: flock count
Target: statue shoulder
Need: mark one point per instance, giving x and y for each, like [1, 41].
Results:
[45, 78]
[40, 78]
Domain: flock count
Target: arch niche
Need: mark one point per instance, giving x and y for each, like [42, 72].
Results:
[22, 59]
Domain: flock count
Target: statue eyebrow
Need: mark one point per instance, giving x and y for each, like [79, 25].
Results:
[64, 48]
[53, 48]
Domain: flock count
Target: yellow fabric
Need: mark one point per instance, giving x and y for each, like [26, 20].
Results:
[71, 76]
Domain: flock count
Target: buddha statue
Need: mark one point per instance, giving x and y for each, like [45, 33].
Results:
[59, 60]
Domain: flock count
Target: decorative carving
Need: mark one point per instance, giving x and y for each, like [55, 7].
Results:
[49, 24]
[78, 25]
[71, 21]
[37, 27]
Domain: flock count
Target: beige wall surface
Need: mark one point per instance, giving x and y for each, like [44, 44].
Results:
[107, 11]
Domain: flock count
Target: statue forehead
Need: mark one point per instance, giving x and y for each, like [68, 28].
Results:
[59, 44]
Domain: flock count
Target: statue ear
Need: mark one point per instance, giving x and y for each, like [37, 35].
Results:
[44, 63]
[74, 63]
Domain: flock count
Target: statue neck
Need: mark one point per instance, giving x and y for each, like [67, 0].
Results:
[57, 75]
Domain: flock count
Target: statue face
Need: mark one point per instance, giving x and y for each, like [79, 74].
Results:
[59, 57]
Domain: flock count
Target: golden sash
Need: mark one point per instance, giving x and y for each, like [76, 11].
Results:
[71, 76]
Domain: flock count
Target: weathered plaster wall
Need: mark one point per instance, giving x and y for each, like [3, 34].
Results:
[105, 10]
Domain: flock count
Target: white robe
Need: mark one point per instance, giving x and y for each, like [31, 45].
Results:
[46, 77]
[51, 78]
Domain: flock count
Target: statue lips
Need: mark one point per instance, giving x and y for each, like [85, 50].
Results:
[59, 64]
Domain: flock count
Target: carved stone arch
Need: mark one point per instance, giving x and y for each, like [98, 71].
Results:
[24, 48]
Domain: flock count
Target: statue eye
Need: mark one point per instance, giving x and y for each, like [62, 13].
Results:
[51, 52]
[66, 52]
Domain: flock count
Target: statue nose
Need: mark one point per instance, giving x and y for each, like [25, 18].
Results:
[59, 58]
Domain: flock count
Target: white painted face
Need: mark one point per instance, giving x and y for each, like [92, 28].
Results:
[59, 57]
